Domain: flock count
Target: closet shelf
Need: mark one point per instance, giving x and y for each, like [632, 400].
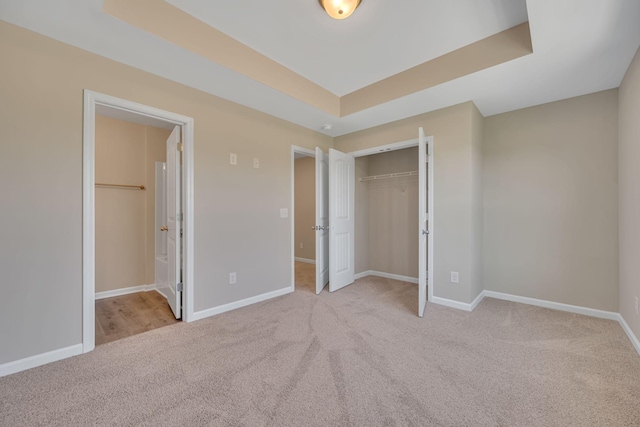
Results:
[388, 176]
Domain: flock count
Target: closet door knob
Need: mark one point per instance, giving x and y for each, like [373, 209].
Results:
[164, 228]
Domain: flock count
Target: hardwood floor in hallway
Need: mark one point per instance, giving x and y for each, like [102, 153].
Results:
[128, 315]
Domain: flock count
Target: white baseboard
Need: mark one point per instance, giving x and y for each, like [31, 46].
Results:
[554, 305]
[39, 360]
[361, 275]
[239, 304]
[629, 332]
[387, 276]
[455, 304]
[308, 261]
[125, 291]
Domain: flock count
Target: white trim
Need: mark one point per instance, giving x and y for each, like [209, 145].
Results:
[362, 274]
[629, 332]
[305, 260]
[457, 304]
[125, 291]
[553, 305]
[40, 359]
[387, 276]
[292, 219]
[387, 147]
[198, 315]
[91, 99]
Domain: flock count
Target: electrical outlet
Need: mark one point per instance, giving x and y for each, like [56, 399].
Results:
[301, 245]
[636, 305]
[256, 163]
[284, 213]
[232, 278]
[455, 277]
[233, 159]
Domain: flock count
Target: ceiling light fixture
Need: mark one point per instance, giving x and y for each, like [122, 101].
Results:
[339, 9]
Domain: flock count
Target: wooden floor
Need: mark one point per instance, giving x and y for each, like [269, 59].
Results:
[127, 315]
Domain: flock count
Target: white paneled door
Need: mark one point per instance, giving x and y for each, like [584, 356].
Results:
[341, 219]
[423, 222]
[322, 220]
[173, 227]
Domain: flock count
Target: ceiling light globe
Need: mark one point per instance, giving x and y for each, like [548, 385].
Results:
[339, 9]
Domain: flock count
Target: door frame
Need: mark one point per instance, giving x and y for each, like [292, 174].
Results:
[430, 192]
[308, 153]
[91, 99]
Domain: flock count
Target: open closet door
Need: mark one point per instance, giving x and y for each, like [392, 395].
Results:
[423, 222]
[173, 293]
[341, 219]
[322, 220]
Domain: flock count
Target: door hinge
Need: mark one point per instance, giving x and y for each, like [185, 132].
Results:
[180, 148]
[179, 217]
[179, 287]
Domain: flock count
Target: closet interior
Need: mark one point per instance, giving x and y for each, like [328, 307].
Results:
[386, 214]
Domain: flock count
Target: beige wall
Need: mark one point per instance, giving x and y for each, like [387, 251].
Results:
[361, 207]
[629, 188]
[550, 200]
[452, 131]
[125, 218]
[305, 203]
[120, 213]
[236, 207]
[393, 214]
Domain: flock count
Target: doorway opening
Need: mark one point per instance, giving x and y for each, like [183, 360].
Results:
[337, 215]
[123, 202]
[423, 217]
[303, 202]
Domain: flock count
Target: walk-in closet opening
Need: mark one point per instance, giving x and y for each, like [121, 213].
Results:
[137, 228]
[130, 225]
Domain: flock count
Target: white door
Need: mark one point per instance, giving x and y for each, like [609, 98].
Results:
[174, 296]
[423, 222]
[322, 220]
[341, 219]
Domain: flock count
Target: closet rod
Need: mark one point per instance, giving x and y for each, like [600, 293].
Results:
[388, 176]
[141, 187]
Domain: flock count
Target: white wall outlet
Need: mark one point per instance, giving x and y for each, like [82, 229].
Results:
[636, 305]
[233, 159]
[301, 245]
[256, 163]
[455, 277]
[232, 278]
[284, 213]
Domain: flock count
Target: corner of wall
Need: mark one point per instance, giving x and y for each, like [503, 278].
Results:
[477, 202]
[628, 188]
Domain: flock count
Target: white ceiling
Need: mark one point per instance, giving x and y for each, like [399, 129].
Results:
[380, 39]
[580, 47]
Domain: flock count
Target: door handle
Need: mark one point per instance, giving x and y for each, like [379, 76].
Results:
[320, 227]
[164, 228]
[425, 232]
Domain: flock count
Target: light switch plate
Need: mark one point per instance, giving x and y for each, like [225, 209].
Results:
[233, 159]
[284, 213]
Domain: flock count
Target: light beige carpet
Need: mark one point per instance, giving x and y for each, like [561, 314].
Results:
[359, 356]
